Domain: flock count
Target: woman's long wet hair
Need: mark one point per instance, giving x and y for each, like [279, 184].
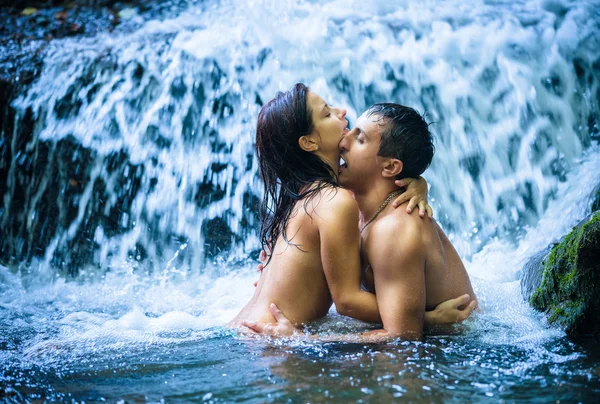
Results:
[289, 173]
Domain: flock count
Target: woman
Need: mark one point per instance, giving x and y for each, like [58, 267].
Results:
[310, 224]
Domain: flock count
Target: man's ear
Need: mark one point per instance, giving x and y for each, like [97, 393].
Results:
[307, 143]
[392, 167]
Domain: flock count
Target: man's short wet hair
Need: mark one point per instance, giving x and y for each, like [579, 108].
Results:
[405, 136]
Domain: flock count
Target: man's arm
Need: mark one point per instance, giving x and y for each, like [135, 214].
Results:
[445, 313]
[340, 245]
[398, 262]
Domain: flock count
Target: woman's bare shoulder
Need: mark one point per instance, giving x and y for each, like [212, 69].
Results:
[335, 201]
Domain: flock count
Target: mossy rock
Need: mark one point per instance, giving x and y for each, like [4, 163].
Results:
[531, 278]
[570, 285]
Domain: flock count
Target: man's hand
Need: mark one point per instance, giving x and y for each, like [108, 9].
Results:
[448, 312]
[416, 194]
[262, 258]
[282, 328]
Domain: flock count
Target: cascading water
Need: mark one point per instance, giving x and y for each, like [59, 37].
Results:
[130, 184]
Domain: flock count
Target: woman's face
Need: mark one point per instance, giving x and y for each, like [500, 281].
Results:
[330, 126]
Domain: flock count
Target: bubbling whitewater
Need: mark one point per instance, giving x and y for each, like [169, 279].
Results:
[135, 240]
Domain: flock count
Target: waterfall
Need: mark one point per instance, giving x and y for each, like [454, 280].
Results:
[136, 148]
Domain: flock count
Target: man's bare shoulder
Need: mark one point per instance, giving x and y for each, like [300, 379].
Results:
[395, 239]
[398, 224]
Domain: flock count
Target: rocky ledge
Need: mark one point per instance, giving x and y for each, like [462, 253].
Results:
[564, 280]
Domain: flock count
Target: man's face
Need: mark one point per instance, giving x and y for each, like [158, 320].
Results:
[358, 149]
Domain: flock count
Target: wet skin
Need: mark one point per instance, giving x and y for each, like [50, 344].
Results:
[409, 261]
[324, 267]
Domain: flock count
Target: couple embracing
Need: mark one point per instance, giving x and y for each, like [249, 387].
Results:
[331, 228]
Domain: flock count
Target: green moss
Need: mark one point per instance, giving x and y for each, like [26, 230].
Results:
[567, 314]
[571, 275]
[567, 282]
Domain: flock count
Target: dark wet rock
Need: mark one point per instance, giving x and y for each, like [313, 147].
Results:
[42, 182]
[219, 236]
[473, 164]
[64, 202]
[570, 280]
[208, 192]
[532, 272]
[596, 199]
[554, 84]
[46, 20]
[45, 182]
[251, 205]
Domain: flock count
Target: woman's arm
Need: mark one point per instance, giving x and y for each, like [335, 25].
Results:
[337, 219]
[445, 313]
[415, 194]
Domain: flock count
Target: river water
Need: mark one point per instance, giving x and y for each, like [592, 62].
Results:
[129, 200]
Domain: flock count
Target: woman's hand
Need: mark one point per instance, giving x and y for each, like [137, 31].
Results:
[448, 312]
[415, 194]
[282, 328]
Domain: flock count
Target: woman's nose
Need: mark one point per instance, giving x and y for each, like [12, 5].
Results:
[342, 113]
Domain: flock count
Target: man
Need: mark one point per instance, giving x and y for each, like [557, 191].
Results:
[409, 262]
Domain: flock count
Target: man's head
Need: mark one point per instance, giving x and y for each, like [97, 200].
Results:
[390, 141]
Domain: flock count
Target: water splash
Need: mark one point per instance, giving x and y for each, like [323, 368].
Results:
[131, 166]
[158, 124]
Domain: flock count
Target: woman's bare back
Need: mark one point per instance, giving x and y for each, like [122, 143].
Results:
[294, 279]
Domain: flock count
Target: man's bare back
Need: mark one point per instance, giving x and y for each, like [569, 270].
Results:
[410, 263]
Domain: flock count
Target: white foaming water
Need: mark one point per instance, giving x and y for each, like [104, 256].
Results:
[501, 261]
[179, 98]
[121, 310]
[130, 308]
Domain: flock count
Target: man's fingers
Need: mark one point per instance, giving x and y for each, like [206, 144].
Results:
[255, 283]
[260, 327]
[275, 311]
[278, 314]
[270, 330]
[263, 256]
[464, 314]
[459, 301]
[254, 326]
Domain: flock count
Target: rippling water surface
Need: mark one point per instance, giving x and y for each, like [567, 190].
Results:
[129, 215]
